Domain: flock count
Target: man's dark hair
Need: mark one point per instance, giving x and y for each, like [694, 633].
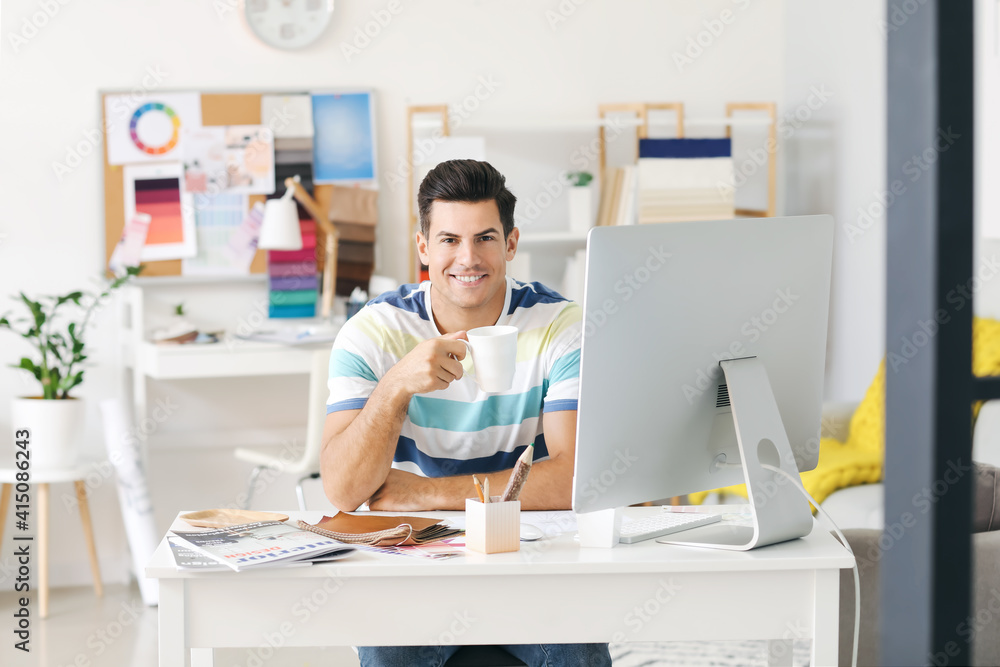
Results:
[465, 181]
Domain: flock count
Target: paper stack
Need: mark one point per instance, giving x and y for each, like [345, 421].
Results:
[685, 179]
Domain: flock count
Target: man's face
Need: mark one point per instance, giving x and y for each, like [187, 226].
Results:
[466, 256]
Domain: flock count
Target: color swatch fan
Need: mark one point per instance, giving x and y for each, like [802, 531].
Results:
[155, 189]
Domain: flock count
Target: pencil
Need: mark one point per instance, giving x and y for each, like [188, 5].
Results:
[486, 489]
[479, 491]
[519, 474]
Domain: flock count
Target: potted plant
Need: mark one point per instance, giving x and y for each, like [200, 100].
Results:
[54, 417]
[581, 201]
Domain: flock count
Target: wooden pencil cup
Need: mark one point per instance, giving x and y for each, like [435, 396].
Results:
[492, 527]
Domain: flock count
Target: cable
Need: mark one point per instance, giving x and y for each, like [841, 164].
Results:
[857, 575]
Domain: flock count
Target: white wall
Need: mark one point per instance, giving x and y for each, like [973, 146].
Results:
[50, 233]
[836, 165]
[987, 156]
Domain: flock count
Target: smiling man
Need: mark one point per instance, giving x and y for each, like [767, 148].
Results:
[406, 428]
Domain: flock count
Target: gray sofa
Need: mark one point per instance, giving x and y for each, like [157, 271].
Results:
[983, 629]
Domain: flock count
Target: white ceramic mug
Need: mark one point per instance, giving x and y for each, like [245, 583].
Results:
[494, 355]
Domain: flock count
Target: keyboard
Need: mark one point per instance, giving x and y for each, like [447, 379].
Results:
[663, 524]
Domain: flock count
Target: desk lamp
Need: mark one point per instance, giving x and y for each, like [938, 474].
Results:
[280, 231]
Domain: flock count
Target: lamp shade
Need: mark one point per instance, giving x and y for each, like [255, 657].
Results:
[280, 229]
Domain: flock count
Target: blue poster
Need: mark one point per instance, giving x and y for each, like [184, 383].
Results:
[344, 142]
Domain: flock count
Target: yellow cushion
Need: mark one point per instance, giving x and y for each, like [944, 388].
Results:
[861, 459]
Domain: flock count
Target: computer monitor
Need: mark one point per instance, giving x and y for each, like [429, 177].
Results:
[704, 346]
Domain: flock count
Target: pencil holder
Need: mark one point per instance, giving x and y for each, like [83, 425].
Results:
[492, 527]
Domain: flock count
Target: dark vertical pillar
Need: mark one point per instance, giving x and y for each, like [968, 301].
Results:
[929, 389]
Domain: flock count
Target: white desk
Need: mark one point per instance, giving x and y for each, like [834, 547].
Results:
[228, 358]
[551, 591]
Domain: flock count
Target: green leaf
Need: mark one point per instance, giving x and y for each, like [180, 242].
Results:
[29, 365]
[70, 382]
[72, 296]
[36, 311]
[54, 349]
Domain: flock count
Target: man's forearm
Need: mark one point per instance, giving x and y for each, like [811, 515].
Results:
[549, 487]
[356, 461]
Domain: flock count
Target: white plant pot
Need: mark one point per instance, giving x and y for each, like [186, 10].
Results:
[581, 208]
[55, 428]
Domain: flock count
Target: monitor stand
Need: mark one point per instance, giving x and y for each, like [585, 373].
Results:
[780, 512]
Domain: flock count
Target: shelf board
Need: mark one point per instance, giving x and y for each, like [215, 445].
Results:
[533, 124]
[548, 125]
[529, 239]
[722, 121]
[147, 281]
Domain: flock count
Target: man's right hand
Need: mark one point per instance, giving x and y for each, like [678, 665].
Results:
[432, 365]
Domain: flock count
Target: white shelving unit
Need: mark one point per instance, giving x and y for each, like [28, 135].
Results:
[640, 116]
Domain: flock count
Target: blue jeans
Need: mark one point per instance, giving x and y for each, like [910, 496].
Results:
[533, 655]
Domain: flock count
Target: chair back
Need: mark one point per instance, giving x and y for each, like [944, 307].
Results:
[319, 391]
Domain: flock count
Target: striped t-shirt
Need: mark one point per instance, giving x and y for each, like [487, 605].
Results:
[461, 429]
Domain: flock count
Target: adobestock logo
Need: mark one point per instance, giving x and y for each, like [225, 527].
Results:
[594, 487]
[704, 39]
[381, 18]
[30, 26]
[626, 286]
[752, 329]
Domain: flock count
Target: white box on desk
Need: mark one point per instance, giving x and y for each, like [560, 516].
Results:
[492, 527]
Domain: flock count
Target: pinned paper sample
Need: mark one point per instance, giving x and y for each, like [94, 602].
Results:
[128, 252]
[204, 159]
[148, 128]
[288, 116]
[344, 142]
[231, 159]
[242, 245]
[155, 189]
[217, 218]
[249, 159]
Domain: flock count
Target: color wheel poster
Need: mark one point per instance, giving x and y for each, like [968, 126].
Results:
[148, 128]
[155, 189]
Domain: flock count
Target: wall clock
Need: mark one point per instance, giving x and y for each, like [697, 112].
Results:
[288, 24]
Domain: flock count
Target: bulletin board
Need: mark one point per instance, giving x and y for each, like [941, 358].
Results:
[217, 109]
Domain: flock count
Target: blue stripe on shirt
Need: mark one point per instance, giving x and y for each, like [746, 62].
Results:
[565, 367]
[560, 405]
[434, 466]
[345, 364]
[408, 297]
[526, 295]
[348, 404]
[459, 416]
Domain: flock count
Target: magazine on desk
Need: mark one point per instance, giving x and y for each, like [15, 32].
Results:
[261, 544]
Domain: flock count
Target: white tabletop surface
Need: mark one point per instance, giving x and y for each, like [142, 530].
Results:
[550, 555]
